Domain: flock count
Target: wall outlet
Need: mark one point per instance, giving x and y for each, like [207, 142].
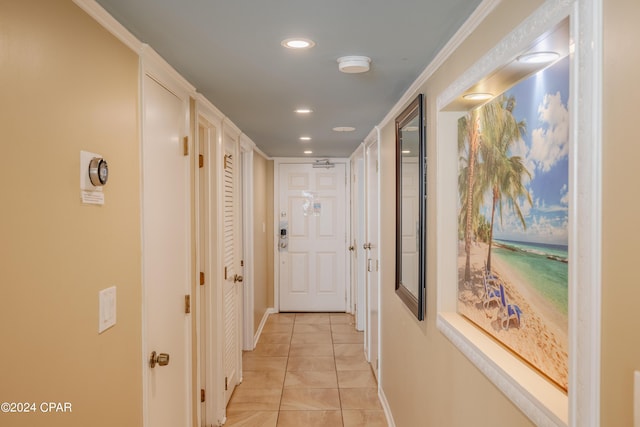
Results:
[107, 301]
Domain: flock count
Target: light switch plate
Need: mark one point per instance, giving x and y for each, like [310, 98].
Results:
[636, 399]
[107, 301]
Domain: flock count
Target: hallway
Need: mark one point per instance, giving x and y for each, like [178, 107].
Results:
[308, 369]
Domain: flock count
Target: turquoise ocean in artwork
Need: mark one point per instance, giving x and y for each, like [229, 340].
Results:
[543, 266]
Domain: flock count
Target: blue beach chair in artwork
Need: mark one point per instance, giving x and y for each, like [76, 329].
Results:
[491, 292]
[508, 311]
[488, 274]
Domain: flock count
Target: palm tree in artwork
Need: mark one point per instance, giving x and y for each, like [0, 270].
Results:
[500, 173]
[468, 143]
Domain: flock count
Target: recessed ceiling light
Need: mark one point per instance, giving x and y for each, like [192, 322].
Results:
[344, 129]
[304, 111]
[538, 57]
[305, 138]
[298, 43]
[354, 64]
[308, 152]
[478, 96]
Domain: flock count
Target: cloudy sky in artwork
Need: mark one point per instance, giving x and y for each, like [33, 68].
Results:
[542, 100]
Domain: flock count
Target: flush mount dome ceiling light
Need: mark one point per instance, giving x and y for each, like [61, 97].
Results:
[354, 64]
[298, 43]
[538, 57]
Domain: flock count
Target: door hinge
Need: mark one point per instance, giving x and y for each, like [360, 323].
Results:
[241, 263]
[187, 304]
[200, 161]
[225, 273]
[185, 145]
[226, 383]
[201, 278]
[202, 395]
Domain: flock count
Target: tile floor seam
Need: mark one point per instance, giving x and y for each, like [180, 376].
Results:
[337, 326]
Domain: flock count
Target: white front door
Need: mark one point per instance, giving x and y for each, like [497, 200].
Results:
[372, 251]
[166, 256]
[312, 228]
[231, 235]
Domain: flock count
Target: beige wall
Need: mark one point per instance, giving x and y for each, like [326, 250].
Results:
[620, 233]
[67, 85]
[426, 380]
[263, 237]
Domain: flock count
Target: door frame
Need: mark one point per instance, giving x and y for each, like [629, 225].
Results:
[246, 152]
[277, 161]
[373, 139]
[154, 67]
[206, 113]
[358, 211]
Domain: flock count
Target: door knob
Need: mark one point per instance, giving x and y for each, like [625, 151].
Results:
[161, 359]
[366, 246]
[352, 248]
[237, 278]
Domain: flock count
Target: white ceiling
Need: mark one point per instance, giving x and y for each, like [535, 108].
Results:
[230, 51]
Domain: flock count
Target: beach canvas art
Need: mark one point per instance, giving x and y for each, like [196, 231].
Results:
[513, 213]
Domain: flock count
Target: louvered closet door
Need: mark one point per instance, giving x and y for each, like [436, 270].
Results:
[231, 265]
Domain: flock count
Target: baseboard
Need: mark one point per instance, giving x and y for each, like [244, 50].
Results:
[267, 312]
[386, 408]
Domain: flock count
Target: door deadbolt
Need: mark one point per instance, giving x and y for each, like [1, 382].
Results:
[161, 359]
[237, 278]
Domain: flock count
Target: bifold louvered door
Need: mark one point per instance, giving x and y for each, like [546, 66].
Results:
[231, 261]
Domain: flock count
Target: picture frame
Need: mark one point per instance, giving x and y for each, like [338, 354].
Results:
[540, 399]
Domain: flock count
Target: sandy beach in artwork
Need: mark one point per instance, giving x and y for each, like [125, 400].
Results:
[542, 338]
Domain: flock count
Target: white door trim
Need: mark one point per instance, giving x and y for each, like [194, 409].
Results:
[374, 139]
[246, 147]
[357, 256]
[214, 379]
[277, 161]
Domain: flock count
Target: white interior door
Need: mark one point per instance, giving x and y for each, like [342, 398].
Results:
[372, 246]
[358, 235]
[312, 213]
[231, 260]
[166, 258]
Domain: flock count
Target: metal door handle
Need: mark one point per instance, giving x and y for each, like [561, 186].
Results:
[352, 248]
[237, 278]
[161, 359]
[366, 246]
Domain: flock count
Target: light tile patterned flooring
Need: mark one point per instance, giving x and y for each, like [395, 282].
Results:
[307, 370]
